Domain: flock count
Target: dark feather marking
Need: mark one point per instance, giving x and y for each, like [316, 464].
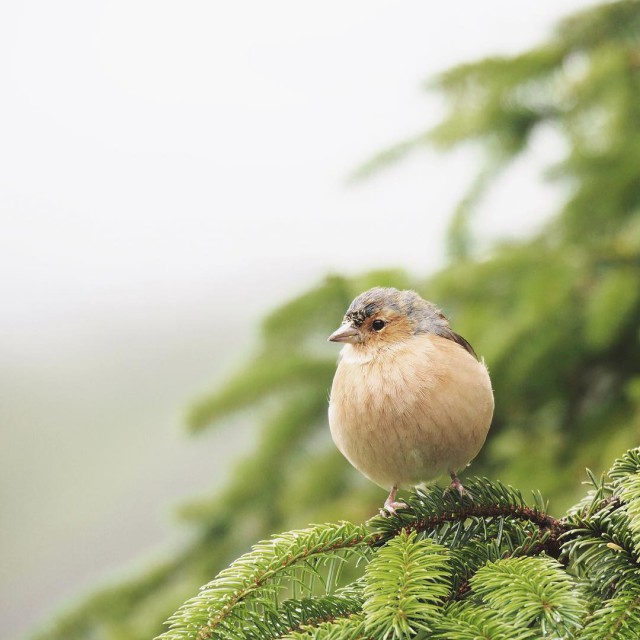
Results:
[447, 333]
[370, 309]
[356, 318]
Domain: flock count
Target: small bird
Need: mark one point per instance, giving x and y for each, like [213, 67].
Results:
[410, 401]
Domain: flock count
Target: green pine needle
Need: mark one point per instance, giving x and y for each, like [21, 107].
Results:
[405, 583]
[530, 591]
[255, 578]
[618, 619]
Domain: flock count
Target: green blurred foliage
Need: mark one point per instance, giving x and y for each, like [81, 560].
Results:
[557, 318]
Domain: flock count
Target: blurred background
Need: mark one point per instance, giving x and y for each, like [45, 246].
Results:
[191, 194]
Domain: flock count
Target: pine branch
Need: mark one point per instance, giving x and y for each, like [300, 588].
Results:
[349, 628]
[598, 549]
[530, 591]
[625, 474]
[307, 613]
[618, 619]
[267, 563]
[471, 622]
[448, 566]
[601, 541]
[405, 583]
[498, 544]
[265, 376]
[431, 509]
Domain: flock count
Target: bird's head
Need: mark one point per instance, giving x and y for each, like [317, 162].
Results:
[383, 316]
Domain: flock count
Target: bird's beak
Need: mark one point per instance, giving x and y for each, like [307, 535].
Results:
[346, 333]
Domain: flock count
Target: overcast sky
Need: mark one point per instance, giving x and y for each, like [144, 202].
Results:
[185, 163]
[154, 145]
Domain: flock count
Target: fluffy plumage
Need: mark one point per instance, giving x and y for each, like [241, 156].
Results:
[410, 401]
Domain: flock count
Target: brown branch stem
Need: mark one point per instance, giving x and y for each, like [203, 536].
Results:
[461, 512]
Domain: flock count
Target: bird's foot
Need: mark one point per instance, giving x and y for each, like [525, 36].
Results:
[390, 504]
[390, 508]
[457, 486]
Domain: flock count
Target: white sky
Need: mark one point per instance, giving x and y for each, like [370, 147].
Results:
[164, 145]
[155, 156]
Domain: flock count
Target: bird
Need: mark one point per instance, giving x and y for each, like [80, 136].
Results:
[410, 400]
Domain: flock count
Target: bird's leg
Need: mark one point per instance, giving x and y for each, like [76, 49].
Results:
[390, 504]
[457, 485]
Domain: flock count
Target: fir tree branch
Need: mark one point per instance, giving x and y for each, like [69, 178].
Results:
[530, 591]
[405, 584]
[434, 507]
[465, 566]
[625, 474]
[348, 628]
[268, 561]
[618, 619]
[471, 622]
[304, 615]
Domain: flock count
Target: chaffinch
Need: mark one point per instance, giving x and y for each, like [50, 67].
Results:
[410, 401]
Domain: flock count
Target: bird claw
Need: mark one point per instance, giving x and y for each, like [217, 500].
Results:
[457, 486]
[390, 504]
[390, 508]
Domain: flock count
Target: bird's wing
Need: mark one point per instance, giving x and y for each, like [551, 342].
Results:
[447, 333]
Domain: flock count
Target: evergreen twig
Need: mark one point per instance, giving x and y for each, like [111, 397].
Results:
[486, 564]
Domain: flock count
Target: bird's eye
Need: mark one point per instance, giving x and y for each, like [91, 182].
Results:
[378, 325]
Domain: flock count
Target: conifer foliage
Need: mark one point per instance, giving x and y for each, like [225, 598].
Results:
[483, 565]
